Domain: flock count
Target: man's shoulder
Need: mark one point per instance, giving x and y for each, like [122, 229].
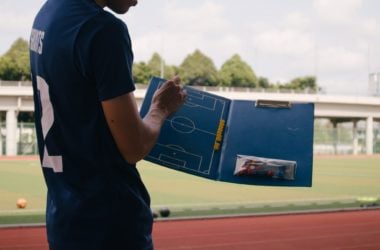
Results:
[106, 20]
[58, 14]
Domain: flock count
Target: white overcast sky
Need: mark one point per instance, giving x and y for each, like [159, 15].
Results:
[336, 40]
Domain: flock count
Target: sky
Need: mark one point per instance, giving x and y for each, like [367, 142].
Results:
[338, 41]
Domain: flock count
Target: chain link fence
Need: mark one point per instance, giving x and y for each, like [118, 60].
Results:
[343, 138]
[26, 139]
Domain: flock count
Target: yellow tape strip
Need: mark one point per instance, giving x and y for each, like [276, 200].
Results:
[219, 135]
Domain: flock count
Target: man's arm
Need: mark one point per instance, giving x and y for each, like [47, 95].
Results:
[134, 136]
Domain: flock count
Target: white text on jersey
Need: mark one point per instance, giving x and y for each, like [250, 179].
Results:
[36, 40]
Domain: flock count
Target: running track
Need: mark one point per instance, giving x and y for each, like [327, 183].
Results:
[343, 230]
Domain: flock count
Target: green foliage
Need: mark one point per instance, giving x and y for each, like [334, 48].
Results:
[237, 73]
[155, 64]
[171, 71]
[302, 83]
[141, 73]
[263, 82]
[14, 64]
[198, 69]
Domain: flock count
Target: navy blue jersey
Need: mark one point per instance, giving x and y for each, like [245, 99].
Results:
[81, 55]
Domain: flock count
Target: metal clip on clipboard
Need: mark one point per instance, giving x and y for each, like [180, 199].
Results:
[272, 104]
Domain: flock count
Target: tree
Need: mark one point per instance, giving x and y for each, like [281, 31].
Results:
[14, 64]
[141, 73]
[237, 73]
[302, 83]
[198, 69]
[263, 82]
[157, 64]
[171, 71]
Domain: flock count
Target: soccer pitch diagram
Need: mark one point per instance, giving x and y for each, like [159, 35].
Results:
[190, 144]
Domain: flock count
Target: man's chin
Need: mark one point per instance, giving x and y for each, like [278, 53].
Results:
[122, 10]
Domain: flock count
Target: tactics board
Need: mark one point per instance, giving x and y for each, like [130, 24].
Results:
[187, 138]
[259, 142]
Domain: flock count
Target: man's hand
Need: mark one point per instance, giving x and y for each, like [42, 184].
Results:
[169, 97]
[134, 136]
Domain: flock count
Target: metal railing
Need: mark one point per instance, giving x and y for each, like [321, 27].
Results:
[246, 89]
[204, 88]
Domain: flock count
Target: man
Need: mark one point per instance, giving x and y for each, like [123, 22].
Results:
[89, 131]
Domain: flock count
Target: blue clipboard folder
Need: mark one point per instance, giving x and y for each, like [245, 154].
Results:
[258, 142]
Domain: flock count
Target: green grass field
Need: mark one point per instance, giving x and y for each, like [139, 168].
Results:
[335, 179]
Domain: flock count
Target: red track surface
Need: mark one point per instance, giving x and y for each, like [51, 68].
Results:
[344, 230]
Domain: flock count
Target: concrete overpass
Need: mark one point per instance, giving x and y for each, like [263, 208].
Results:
[17, 97]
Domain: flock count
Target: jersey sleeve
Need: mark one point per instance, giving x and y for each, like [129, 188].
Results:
[109, 58]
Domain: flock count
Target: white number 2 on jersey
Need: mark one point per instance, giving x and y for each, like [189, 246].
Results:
[47, 120]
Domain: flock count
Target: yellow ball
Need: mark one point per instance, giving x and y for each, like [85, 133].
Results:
[21, 203]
